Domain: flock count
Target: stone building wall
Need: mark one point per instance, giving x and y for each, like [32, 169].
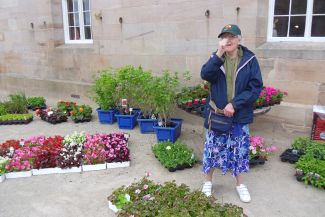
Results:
[157, 34]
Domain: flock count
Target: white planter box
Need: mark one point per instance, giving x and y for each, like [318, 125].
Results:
[2, 178]
[22, 174]
[94, 167]
[112, 207]
[45, 171]
[70, 170]
[118, 164]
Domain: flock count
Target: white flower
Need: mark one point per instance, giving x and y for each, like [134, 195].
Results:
[168, 148]
[127, 197]
[254, 151]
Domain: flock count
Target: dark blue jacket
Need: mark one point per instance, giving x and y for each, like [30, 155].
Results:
[248, 84]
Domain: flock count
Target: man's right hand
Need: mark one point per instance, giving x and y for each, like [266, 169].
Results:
[221, 47]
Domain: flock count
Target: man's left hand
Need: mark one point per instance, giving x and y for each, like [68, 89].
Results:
[229, 110]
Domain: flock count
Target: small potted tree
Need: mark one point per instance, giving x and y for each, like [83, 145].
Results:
[167, 129]
[104, 88]
[132, 86]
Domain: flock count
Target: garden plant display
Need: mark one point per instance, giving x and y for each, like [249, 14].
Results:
[52, 116]
[298, 149]
[269, 96]
[146, 198]
[16, 118]
[7, 149]
[259, 151]
[37, 102]
[94, 149]
[116, 147]
[174, 156]
[66, 107]
[81, 113]
[71, 153]
[311, 165]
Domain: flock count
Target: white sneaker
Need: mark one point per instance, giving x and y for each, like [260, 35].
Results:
[243, 193]
[207, 188]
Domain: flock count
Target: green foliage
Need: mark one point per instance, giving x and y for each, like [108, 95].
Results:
[170, 199]
[135, 85]
[104, 89]
[3, 163]
[81, 112]
[312, 163]
[173, 154]
[66, 107]
[17, 104]
[16, 117]
[301, 143]
[36, 101]
[164, 96]
[3, 109]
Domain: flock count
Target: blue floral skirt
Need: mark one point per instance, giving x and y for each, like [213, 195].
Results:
[228, 150]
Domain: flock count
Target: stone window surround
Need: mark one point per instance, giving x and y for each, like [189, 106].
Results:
[66, 30]
[308, 26]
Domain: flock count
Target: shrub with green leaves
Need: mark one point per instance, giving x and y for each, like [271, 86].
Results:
[104, 89]
[175, 154]
[36, 101]
[3, 109]
[17, 104]
[151, 200]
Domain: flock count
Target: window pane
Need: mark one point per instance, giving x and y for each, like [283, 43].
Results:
[70, 5]
[319, 7]
[297, 26]
[75, 5]
[86, 5]
[76, 19]
[70, 19]
[77, 33]
[72, 33]
[87, 18]
[318, 26]
[298, 6]
[280, 26]
[281, 7]
[87, 32]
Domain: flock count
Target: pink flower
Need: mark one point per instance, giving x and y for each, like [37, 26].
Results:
[145, 187]
[148, 174]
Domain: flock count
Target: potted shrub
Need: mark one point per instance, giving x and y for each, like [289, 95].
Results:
[133, 86]
[104, 90]
[259, 151]
[37, 102]
[81, 113]
[175, 156]
[164, 99]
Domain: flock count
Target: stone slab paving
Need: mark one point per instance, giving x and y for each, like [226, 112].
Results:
[274, 190]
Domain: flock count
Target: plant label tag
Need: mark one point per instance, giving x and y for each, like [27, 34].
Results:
[124, 103]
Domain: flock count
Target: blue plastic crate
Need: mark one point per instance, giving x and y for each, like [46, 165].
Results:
[146, 125]
[106, 116]
[126, 121]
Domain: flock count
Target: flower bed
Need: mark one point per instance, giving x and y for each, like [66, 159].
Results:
[52, 116]
[146, 198]
[40, 155]
[269, 96]
[174, 156]
[259, 151]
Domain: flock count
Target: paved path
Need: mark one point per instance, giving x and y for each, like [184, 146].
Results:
[274, 191]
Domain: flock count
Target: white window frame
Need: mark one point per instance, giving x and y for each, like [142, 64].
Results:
[307, 37]
[82, 39]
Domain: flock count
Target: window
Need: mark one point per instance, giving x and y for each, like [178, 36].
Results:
[77, 21]
[296, 20]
